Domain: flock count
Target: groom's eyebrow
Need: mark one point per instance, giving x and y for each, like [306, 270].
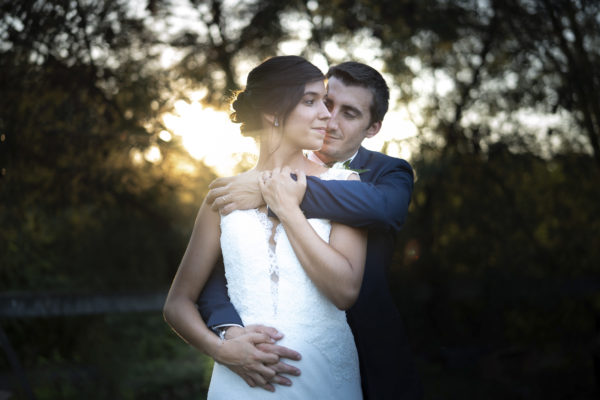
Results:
[346, 107]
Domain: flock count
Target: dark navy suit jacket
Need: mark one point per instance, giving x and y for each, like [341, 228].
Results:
[379, 202]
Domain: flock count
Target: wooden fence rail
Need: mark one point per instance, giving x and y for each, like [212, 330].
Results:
[36, 305]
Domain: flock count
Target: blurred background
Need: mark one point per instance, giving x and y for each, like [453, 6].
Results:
[113, 122]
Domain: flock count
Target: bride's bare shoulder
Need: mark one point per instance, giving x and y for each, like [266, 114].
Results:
[314, 169]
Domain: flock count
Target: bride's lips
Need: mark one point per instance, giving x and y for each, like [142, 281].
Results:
[322, 131]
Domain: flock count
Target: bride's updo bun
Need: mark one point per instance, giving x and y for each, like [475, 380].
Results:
[274, 87]
[242, 107]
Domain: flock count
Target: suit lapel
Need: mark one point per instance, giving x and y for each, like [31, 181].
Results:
[360, 162]
[361, 159]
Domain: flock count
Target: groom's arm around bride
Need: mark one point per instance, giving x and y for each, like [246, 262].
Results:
[357, 99]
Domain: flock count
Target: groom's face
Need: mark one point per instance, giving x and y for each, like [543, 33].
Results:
[350, 120]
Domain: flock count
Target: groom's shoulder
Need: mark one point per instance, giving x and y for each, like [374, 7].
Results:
[382, 159]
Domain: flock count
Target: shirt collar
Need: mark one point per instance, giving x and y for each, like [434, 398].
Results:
[313, 157]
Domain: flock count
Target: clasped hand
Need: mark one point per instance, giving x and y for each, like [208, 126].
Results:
[254, 189]
[280, 191]
[252, 353]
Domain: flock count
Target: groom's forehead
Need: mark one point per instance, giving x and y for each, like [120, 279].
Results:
[354, 96]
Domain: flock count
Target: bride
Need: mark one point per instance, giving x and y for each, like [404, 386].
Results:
[288, 272]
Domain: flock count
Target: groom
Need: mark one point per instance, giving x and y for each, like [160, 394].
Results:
[357, 99]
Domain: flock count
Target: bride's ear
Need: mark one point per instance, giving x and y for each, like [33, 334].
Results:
[271, 119]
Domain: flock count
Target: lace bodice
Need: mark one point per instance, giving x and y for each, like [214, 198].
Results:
[267, 284]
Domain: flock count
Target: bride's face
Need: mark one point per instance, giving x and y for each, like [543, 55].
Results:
[306, 125]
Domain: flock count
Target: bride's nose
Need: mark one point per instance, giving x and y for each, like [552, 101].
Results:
[324, 112]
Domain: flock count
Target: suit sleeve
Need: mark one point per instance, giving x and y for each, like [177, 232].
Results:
[381, 204]
[214, 304]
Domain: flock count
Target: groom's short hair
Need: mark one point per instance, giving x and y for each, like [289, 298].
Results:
[353, 73]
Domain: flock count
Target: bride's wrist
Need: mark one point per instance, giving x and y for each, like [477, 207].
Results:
[290, 213]
[215, 349]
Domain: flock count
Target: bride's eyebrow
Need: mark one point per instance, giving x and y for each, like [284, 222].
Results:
[315, 94]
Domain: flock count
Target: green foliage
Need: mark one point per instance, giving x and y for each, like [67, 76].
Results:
[496, 270]
[75, 205]
[121, 356]
[81, 96]
[495, 274]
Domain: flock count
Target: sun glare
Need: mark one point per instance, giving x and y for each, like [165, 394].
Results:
[208, 135]
[395, 131]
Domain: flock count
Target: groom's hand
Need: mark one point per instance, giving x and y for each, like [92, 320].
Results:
[258, 375]
[239, 192]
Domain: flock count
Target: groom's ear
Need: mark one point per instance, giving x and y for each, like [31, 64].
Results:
[373, 129]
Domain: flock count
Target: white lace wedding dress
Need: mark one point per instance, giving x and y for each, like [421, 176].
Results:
[267, 285]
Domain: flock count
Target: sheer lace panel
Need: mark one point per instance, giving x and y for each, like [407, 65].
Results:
[272, 225]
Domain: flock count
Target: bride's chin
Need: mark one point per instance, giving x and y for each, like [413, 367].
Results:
[316, 146]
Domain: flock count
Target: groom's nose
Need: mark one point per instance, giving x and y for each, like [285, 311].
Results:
[332, 124]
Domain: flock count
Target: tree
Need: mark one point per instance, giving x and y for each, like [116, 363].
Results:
[81, 97]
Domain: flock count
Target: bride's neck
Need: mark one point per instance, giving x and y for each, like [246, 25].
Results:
[277, 154]
[280, 159]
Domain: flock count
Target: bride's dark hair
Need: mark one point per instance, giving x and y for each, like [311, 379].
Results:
[274, 87]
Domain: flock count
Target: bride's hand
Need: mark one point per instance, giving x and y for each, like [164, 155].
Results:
[251, 369]
[280, 191]
[242, 356]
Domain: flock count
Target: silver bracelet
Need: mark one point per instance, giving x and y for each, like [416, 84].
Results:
[222, 332]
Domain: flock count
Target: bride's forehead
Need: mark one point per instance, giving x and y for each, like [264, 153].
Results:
[315, 87]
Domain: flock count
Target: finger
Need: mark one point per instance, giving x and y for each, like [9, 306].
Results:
[268, 330]
[261, 183]
[227, 209]
[249, 381]
[214, 194]
[266, 358]
[301, 177]
[258, 379]
[281, 380]
[219, 182]
[259, 337]
[222, 201]
[283, 368]
[281, 351]
[260, 373]
[266, 175]
[286, 171]
[268, 387]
